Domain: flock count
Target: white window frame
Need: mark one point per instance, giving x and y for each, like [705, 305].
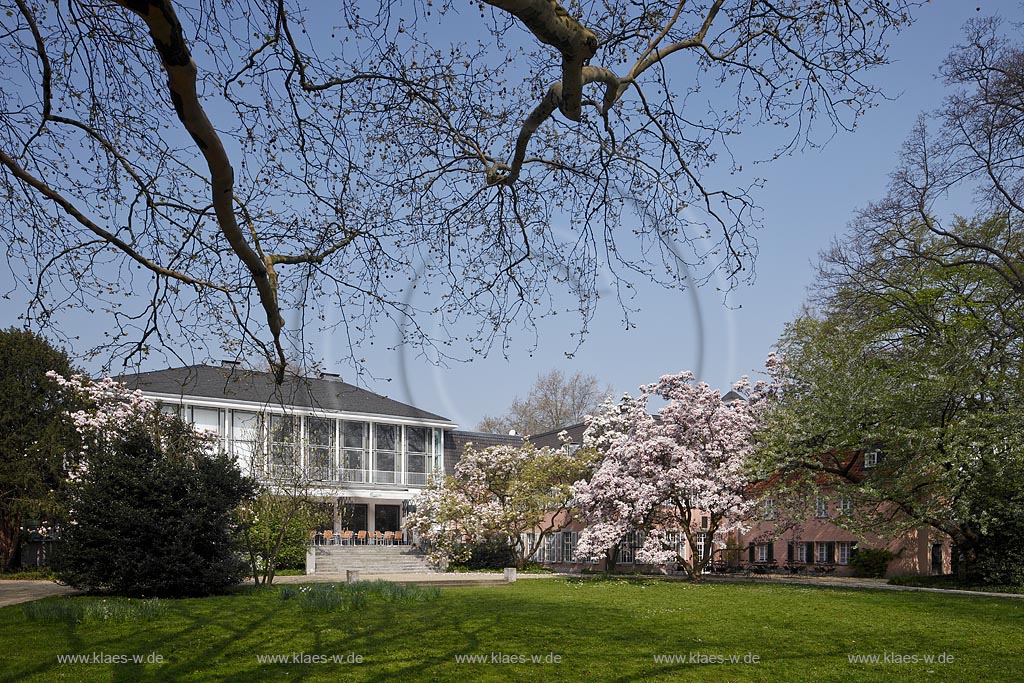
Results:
[821, 554]
[761, 552]
[769, 508]
[821, 507]
[870, 460]
[845, 505]
[801, 552]
[843, 552]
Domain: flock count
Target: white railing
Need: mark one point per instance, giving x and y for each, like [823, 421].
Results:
[342, 475]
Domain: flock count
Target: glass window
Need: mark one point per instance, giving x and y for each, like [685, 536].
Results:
[761, 554]
[821, 554]
[320, 447]
[821, 507]
[769, 508]
[284, 450]
[417, 460]
[801, 553]
[385, 455]
[207, 420]
[353, 457]
[353, 434]
[569, 539]
[416, 439]
[246, 435]
[387, 437]
[870, 459]
[386, 461]
[846, 505]
[843, 550]
[170, 409]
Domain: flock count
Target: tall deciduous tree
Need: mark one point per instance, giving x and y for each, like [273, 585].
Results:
[920, 360]
[230, 163]
[665, 474]
[499, 494]
[973, 143]
[554, 401]
[32, 435]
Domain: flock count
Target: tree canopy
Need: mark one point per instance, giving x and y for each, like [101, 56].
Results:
[917, 360]
[33, 436]
[202, 172]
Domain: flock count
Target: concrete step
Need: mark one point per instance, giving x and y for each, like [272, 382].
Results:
[371, 559]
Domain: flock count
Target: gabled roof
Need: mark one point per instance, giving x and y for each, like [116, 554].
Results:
[238, 384]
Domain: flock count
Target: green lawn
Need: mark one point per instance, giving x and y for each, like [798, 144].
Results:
[609, 630]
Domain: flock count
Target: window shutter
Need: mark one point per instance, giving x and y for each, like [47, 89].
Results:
[751, 552]
[853, 549]
[790, 552]
[771, 552]
[830, 552]
[810, 552]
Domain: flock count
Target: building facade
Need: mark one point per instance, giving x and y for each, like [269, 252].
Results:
[362, 454]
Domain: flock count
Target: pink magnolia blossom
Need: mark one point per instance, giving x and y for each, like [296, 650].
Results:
[664, 473]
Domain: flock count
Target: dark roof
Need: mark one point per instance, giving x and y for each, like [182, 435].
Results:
[238, 384]
[551, 439]
[459, 439]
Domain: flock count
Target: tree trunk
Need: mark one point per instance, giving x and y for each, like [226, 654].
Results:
[10, 532]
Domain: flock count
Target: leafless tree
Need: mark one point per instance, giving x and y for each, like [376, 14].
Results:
[219, 167]
[973, 143]
[554, 401]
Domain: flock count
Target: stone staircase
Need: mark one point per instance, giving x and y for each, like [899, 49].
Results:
[371, 559]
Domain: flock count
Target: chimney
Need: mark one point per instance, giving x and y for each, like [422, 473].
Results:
[329, 376]
[231, 363]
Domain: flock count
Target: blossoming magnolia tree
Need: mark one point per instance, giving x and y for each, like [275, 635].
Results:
[498, 494]
[664, 473]
[116, 411]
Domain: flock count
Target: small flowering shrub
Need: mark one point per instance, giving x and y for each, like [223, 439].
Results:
[73, 611]
[150, 505]
[347, 596]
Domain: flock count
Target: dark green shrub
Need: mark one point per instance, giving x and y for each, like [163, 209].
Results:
[490, 555]
[871, 562]
[152, 515]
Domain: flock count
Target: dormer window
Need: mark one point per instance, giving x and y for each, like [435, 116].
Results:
[769, 508]
[870, 459]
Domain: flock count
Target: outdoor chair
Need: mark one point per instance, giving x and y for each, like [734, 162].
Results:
[378, 537]
[389, 537]
[328, 537]
[313, 536]
[346, 537]
[361, 537]
[399, 538]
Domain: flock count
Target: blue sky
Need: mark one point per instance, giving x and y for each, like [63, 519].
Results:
[808, 199]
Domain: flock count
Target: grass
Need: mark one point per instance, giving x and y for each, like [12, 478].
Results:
[951, 582]
[41, 574]
[599, 630]
[289, 572]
